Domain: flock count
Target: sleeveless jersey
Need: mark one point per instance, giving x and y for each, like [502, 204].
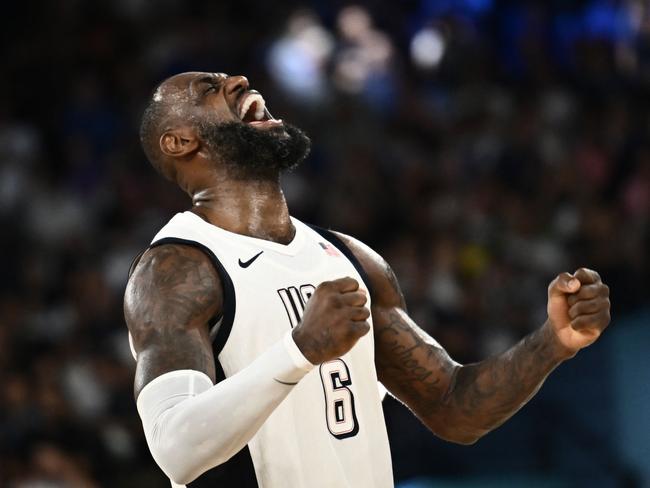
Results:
[330, 430]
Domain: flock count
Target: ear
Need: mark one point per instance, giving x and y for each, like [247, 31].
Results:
[178, 143]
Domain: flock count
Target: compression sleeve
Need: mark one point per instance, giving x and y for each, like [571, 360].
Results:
[192, 425]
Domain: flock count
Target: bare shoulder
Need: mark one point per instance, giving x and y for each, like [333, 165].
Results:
[170, 298]
[172, 280]
[386, 289]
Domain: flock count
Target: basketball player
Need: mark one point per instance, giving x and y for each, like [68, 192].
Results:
[260, 340]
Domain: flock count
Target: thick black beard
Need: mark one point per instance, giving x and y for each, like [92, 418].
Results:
[251, 154]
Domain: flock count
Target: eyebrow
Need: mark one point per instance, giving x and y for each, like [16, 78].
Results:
[209, 79]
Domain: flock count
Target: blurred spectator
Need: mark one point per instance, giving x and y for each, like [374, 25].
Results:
[480, 146]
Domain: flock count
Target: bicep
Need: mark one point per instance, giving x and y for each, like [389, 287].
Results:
[169, 301]
[410, 363]
[173, 349]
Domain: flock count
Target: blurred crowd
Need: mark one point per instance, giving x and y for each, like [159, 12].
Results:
[480, 146]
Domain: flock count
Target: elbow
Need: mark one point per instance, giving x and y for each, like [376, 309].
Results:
[466, 439]
[182, 460]
[458, 435]
[179, 477]
[182, 476]
[177, 466]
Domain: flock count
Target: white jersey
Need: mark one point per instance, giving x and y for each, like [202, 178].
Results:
[330, 430]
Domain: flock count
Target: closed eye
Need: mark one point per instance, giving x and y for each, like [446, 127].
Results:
[206, 85]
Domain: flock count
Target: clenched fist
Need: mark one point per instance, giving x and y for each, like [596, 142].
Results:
[334, 320]
[578, 308]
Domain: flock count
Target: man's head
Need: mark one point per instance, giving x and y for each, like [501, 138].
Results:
[197, 122]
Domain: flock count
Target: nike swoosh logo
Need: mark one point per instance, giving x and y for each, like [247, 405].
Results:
[246, 264]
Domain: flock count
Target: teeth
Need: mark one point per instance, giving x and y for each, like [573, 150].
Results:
[259, 107]
[259, 111]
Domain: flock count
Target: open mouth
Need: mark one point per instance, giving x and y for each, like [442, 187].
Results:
[253, 111]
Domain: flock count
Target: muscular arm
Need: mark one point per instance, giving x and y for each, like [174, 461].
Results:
[459, 403]
[172, 294]
[192, 425]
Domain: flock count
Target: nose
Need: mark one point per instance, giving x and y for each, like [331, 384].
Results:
[235, 84]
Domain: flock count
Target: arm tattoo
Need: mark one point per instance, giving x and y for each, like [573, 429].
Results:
[410, 366]
[459, 403]
[410, 363]
[488, 393]
[169, 300]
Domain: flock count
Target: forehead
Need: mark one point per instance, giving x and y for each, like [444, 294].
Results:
[185, 83]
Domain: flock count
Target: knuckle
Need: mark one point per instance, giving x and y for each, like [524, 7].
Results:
[360, 328]
[349, 281]
[561, 278]
[325, 285]
[350, 331]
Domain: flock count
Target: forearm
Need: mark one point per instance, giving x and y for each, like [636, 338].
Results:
[461, 403]
[483, 395]
[192, 426]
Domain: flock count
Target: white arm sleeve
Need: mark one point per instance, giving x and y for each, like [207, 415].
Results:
[192, 425]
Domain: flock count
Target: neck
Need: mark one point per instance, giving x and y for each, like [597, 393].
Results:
[252, 208]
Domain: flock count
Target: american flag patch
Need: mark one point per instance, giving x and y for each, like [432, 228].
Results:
[329, 249]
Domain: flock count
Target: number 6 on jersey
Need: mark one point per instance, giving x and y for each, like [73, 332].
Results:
[339, 400]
